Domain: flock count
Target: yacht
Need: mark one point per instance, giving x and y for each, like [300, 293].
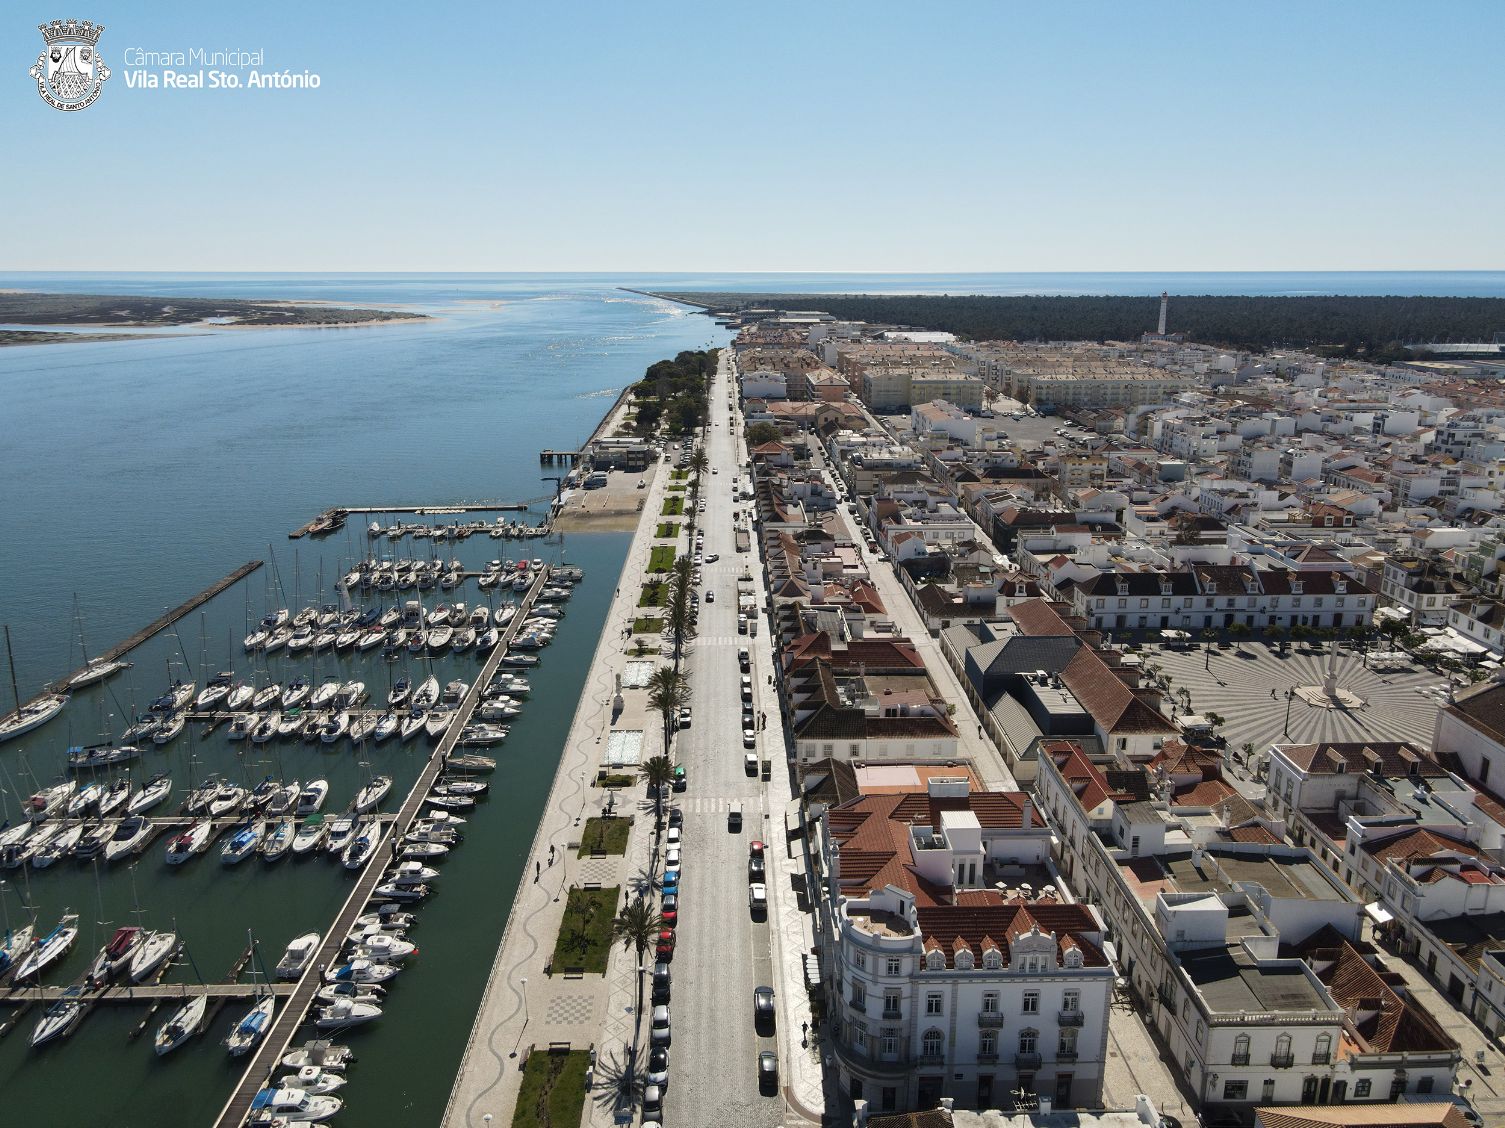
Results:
[60, 846]
[141, 729]
[31, 715]
[283, 800]
[399, 692]
[483, 734]
[390, 918]
[243, 843]
[48, 950]
[386, 725]
[177, 697]
[299, 954]
[186, 1022]
[437, 722]
[372, 636]
[60, 1018]
[250, 1030]
[323, 697]
[49, 801]
[97, 671]
[343, 1013]
[84, 798]
[114, 956]
[242, 725]
[418, 641]
[361, 845]
[191, 842]
[290, 723]
[266, 697]
[215, 690]
[520, 661]
[278, 840]
[498, 709]
[403, 893]
[383, 947]
[113, 796]
[410, 873]
[153, 951]
[92, 844]
[324, 1055]
[334, 728]
[198, 799]
[341, 831]
[130, 838]
[152, 792]
[465, 638]
[262, 793]
[454, 692]
[413, 724]
[226, 800]
[266, 728]
[347, 639]
[312, 797]
[101, 756]
[296, 693]
[239, 697]
[169, 728]
[473, 762]
[370, 796]
[277, 639]
[426, 696]
[423, 851]
[439, 637]
[487, 640]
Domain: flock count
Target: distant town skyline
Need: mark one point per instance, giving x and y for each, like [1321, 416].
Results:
[831, 138]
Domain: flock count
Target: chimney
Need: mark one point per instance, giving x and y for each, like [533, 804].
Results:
[859, 1113]
[1026, 813]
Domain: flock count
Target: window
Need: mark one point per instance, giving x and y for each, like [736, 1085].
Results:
[1267, 1090]
[1068, 1041]
[895, 965]
[1073, 957]
[932, 1004]
[890, 1002]
[1361, 1088]
[964, 960]
[931, 1044]
[990, 1002]
[987, 1042]
[935, 960]
[1324, 1049]
[1282, 1055]
[859, 960]
[859, 995]
[992, 959]
[890, 1041]
[1235, 1090]
[1071, 1002]
[1028, 1041]
[1031, 1002]
[828, 749]
[1241, 1050]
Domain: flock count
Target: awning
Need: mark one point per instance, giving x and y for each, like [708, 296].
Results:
[1378, 913]
[812, 972]
[794, 818]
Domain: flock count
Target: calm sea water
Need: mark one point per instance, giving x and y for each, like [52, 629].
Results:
[132, 474]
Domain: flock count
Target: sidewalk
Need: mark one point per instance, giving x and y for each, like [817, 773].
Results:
[522, 1005]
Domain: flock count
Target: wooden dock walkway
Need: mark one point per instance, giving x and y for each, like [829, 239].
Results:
[136, 993]
[334, 517]
[164, 621]
[267, 1059]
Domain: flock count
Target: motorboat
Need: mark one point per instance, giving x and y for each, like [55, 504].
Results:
[113, 796]
[437, 723]
[355, 992]
[473, 762]
[115, 956]
[480, 618]
[302, 639]
[278, 840]
[48, 950]
[101, 756]
[283, 800]
[177, 697]
[191, 842]
[362, 971]
[247, 1034]
[152, 792]
[423, 851]
[32, 715]
[426, 830]
[362, 845]
[341, 831]
[454, 692]
[299, 954]
[59, 1019]
[239, 697]
[453, 785]
[402, 893]
[441, 819]
[413, 724]
[50, 800]
[452, 802]
[312, 797]
[410, 873]
[325, 1055]
[186, 1022]
[370, 796]
[215, 690]
[324, 696]
[520, 661]
[343, 1013]
[96, 671]
[313, 1080]
[130, 838]
[296, 693]
[242, 725]
[483, 734]
[243, 843]
[266, 728]
[426, 696]
[290, 723]
[498, 709]
[389, 918]
[385, 726]
[170, 728]
[309, 836]
[351, 694]
[266, 697]
[92, 844]
[334, 728]
[226, 800]
[60, 846]
[513, 685]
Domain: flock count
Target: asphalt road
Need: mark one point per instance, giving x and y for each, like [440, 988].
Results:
[722, 952]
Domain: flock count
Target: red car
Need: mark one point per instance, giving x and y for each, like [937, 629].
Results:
[670, 909]
[755, 849]
[665, 947]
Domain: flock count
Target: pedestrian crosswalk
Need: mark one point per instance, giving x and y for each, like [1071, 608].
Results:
[716, 804]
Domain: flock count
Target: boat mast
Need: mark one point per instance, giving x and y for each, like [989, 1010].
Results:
[11, 660]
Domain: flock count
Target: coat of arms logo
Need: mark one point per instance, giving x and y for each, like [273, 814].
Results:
[70, 73]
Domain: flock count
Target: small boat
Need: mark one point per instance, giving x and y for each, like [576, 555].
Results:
[520, 661]
[324, 1055]
[386, 725]
[278, 840]
[31, 715]
[60, 846]
[370, 796]
[324, 696]
[296, 693]
[92, 844]
[239, 697]
[313, 1080]
[413, 724]
[243, 843]
[362, 971]
[423, 851]
[226, 800]
[60, 1018]
[283, 800]
[186, 1022]
[130, 838]
[454, 692]
[362, 845]
[426, 696]
[483, 734]
[343, 1013]
[152, 792]
[299, 954]
[177, 697]
[215, 690]
[399, 693]
[49, 949]
[355, 992]
[193, 841]
[266, 697]
[266, 728]
[437, 722]
[101, 756]
[334, 728]
[312, 797]
[250, 1030]
[341, 831]
[390, 918]
[97, 671]
[452, 785]
[242, 725]
[473, 762]
[153, 951]
[171, 726]
[310, 835]
[113, 796]
[403, 893]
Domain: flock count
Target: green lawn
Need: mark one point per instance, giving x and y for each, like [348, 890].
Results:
[661, 559]
[553, 1090]
[679, 475]
[676, 487]
[647, 625]
[585, 932]
[604, 836]
[667, 531]
[654, 595]
[674, 506]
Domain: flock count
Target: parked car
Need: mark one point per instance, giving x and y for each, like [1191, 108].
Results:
[672, 835]
[755, 849]
[749, 738]
[653, 1099]
[768, 1071]
[660, 982]
[763, 1002]
[744, 659]
[680, 781]
[713, 557]
[684, 717]
[757, 900]
[710, 596]
[755, 869]
[660, 1031]
[676, 817]
[658, 1067]
[665, 946]
[671, 858]
[750, 763]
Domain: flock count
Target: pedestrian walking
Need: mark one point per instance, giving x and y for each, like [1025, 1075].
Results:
[1272, 693]
[537, 871]
[551, 855]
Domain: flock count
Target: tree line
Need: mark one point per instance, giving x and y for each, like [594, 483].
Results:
[673, 393]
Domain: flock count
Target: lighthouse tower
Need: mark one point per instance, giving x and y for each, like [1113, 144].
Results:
[1165, 301]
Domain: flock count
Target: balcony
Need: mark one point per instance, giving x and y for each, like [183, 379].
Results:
[987, 1059]
[893, 1014]
[1282, 1061]
[1027, 1061]
[932, 1059]
[990, 1018]
[1069, 1018]
[859, 1006]
[1066, 1055]
[1240, 1059]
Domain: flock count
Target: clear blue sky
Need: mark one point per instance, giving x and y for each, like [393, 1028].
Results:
[824, 135]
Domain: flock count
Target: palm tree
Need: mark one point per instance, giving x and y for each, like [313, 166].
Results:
[699, 461]
[636, 926]
[668, 693]
[659, 773]
[680, 614]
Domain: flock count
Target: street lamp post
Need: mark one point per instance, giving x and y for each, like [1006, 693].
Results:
[1290, 696]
